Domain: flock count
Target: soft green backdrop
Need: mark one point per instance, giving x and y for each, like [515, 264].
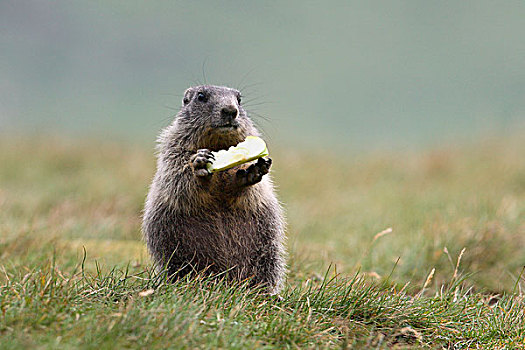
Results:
[361, 74]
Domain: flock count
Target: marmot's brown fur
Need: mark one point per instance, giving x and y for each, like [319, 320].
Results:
[227, 221]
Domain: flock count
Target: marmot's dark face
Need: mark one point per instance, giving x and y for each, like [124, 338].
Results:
[215, 113]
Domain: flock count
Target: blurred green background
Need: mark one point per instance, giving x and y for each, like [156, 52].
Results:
[369, 74]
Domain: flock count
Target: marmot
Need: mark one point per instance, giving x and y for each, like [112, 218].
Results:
[229, 221]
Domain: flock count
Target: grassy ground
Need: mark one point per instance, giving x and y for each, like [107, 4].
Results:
[74, 272]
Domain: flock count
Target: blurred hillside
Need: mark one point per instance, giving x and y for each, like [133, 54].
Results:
[360, 74]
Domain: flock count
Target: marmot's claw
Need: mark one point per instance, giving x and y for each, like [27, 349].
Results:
[264, 165]
[206, 153]
[199, 161]
[254, 173]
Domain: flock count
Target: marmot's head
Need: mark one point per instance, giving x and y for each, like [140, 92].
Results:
[212, 117]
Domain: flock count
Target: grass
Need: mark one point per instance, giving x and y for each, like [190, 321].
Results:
[74, 272]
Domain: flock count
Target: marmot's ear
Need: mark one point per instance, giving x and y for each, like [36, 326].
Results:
[188, 95]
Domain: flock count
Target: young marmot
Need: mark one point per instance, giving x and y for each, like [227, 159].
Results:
[226, 221]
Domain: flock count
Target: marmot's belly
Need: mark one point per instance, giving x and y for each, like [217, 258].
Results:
[224, 241]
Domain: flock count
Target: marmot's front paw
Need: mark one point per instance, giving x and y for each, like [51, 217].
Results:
[254, 173]
[199, 161]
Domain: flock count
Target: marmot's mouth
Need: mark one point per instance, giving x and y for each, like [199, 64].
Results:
[232, 124]
[222, 135]
[226, 127]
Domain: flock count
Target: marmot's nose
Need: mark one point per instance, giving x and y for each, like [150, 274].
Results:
[229, 113]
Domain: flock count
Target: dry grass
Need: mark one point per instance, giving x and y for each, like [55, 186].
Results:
[399, 220]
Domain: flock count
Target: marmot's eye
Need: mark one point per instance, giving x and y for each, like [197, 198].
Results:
[185, 100]
[201, 96]
[239, 99]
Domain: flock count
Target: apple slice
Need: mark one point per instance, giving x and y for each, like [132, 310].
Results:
[250, 149]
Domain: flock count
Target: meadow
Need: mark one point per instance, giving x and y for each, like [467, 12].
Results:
[390, 249]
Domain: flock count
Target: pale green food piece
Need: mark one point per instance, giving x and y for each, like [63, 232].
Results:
[250, 149]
